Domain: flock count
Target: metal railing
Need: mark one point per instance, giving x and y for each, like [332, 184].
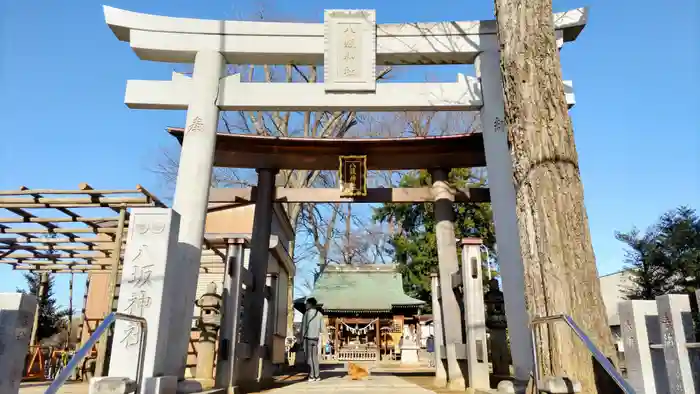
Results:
[600, 357]
[87, 347]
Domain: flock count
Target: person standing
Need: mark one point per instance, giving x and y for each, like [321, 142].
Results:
[311, 328]
[430, 347]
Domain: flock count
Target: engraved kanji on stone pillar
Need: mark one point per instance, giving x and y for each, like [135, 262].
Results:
[676, 325]
[149, 289]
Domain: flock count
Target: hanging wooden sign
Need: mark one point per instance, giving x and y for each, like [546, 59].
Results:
[352, 176]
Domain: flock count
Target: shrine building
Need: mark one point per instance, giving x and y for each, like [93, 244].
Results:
[366, 312]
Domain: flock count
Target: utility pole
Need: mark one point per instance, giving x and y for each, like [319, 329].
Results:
[41, 300]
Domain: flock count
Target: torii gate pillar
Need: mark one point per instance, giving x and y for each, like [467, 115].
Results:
[192, 190]
[500, 171]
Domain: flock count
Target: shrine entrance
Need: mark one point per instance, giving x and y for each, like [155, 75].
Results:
[349, 45]
[351, 302]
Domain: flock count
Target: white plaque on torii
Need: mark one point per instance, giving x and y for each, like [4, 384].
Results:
[350, 51]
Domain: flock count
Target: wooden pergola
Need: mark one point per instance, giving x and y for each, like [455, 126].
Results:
[69, 231]
[73, 231]
[61, 231]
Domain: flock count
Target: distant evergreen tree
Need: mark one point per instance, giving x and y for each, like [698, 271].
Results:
[51, 318]
[415, 243]
[650, 275]
[666, 258]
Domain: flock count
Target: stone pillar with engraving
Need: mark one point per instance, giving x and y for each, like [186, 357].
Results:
[152, 289]
[644, 360]
[16, 316]
[474, 315]
[676, 325]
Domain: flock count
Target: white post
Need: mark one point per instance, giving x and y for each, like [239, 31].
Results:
[500, 172]
[192, 190]
[438, 337]
[474, 314]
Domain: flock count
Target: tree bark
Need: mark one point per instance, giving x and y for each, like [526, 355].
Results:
[560, 270]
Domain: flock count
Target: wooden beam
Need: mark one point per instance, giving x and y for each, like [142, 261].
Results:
[98, 262]
[60, 254]
[54, 259]
[83, 268]
[107, 246]
[34, 219]
[29, 192]
[84, 186]
[45, 240]
[322, 195]
[22, 202]
[18, 230]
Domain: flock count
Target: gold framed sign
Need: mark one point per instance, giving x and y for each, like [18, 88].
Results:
[352, 176]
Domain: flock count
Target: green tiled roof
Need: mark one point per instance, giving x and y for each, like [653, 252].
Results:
[363, 288]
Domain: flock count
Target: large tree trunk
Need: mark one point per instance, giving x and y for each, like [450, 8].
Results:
[560, 269]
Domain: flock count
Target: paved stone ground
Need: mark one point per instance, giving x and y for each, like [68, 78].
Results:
[334, 380]
[40, 388]
[385, 384]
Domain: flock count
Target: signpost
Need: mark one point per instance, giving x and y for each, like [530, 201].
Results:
[352, 176]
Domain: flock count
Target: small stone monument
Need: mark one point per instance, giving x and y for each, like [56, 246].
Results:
[497, 324]
[639, 325]
[409, 347]
[151, 288]
[676, 325]
[16, 317]
[208, 324]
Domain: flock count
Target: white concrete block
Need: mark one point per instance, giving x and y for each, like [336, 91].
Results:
[16, 319]
[409, 355]
[559, 385]
[111, 385]
[505, 386]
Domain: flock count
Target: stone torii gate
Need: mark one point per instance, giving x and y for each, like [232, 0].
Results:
[349, 44]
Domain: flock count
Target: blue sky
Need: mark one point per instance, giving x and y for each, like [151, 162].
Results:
[635, 72]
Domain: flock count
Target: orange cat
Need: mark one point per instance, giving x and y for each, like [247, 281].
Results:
[356, 372]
